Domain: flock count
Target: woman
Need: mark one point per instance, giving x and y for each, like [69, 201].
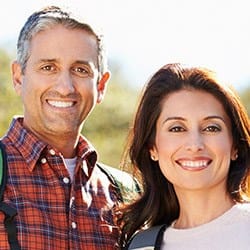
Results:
[190, 145]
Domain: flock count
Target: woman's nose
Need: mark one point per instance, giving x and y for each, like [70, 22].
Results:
[195, 142]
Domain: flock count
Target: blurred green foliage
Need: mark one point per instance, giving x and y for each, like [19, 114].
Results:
[245, 98]
[107, 126]
[10, 104]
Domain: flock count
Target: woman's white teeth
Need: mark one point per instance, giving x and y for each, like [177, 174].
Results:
[194, 164]
[60, 104]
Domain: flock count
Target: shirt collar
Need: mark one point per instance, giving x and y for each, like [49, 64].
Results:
[87, 152]
[31, 148]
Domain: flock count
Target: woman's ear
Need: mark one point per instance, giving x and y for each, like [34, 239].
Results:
[153, 154]
[234, 153]
[102, 86]
[16, 71]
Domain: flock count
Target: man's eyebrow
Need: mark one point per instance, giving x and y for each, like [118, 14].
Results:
[53, 60]
[43, 60]
[83, 62]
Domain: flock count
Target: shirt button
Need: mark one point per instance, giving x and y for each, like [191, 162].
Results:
[73, 224]
[52, 151]
[66, 180]
[43, 160]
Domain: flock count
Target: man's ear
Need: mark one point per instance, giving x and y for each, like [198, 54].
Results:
[102, 86]
[17, 76]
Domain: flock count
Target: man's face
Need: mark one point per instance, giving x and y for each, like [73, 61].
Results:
[59, 87]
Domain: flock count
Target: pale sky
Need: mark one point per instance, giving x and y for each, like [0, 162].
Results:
[143, 35]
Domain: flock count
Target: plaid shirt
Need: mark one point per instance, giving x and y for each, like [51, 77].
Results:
[53, 212]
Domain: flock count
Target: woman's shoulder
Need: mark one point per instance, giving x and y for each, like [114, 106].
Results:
[242, 209]
[243, 206]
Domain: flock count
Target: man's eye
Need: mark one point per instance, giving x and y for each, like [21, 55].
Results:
[48, 68]
[81, 71]
[176, 129]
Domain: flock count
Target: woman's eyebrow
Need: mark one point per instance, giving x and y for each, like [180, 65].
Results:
[215, 117]
[210, 117]
[174, 118]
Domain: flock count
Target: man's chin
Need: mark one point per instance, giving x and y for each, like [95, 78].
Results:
[63, 129]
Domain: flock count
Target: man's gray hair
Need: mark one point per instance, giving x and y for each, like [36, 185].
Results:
[46, 19]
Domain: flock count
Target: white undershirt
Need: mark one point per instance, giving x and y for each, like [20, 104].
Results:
[71, 164]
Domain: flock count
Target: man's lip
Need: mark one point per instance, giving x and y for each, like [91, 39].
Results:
[194, 164]
[60, 103]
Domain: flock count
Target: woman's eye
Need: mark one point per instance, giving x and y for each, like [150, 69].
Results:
[176, 129]
[212, 128]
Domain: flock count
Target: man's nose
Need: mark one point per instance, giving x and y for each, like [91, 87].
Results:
[65, 84]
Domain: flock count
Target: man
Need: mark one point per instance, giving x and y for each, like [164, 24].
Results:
[63, 199]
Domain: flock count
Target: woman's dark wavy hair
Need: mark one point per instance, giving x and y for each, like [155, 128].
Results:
[158, 203]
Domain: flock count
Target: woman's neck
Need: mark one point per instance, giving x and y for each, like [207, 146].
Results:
[197, 208]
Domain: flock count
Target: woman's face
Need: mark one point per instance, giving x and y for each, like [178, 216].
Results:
[193, 142]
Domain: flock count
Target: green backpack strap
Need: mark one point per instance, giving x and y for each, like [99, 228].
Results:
[9, 212]
[150, 239]
[126, 186]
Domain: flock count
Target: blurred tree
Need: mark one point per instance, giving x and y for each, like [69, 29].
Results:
[245, 97]
[107, 127]
[10, 104]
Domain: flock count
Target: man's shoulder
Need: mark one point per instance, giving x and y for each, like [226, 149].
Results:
[126, 183]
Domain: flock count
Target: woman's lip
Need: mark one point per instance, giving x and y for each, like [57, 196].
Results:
[194, 164]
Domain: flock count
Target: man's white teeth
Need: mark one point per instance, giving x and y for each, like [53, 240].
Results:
[194, 164]
[60, 104]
